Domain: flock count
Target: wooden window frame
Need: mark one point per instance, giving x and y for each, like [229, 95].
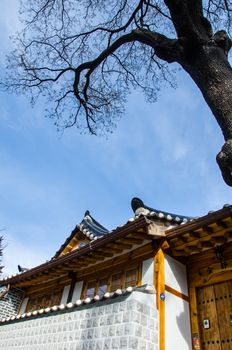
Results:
[85, 288]
[136, 277]
[98, 284]
[48, 297]
[137, 266]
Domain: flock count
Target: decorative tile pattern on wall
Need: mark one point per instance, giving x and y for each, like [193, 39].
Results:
[127, 322]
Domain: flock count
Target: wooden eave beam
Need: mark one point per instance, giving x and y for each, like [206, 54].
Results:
[113, 248]
[104, 254]
[228, 235]
[137, 234]
[31, 282]
[196, 224]
[220, 240]
[190, 236]
[84, 262]
[70, 267]
[207, 244]
[75, 240]
[203, 243]
[139, 253]
[90, 260]
[133, 240]
[180, 253]
[194, 250]
[98, 256]
[207, 229]
[193, 234]
[222, 224]
[216, 233]
[80, 264]
[124, 246]
[110, 250]
[119, 233]
[77, 266]
[209, 258]
[69, 246]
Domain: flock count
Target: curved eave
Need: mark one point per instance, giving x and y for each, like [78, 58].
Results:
[67, 241]
[139, 207]
[201, 234]
[89, 228]
[82, 257]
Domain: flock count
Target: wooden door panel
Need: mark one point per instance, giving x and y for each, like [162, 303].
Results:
[215, 305]
[207, 311]
[223, 297]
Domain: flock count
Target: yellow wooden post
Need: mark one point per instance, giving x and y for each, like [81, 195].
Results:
[160, 289]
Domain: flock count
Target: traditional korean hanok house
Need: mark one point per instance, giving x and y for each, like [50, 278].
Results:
[160, 281]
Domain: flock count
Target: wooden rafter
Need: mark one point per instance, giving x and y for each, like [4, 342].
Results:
[114, 248]
[106, 247]
[133, 240]
[109, 249]
[123, 245]
[190, 243]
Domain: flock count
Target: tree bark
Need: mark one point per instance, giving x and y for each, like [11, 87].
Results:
[208, 66]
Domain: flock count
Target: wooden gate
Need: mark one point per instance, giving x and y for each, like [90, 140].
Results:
[215, 316]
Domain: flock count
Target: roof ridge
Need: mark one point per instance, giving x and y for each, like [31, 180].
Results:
[94, 221]
[89, 227]
[137, 203]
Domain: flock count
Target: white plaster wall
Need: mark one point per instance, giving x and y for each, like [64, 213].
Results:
[177, 323]
[146, 298]
[148, 272]
[175, 275]
[77, 291]
[64, 297]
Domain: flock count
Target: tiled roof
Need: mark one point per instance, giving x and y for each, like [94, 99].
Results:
[89, 227]
[143, 215]
[140, 208]
[97, 298]
[57, 260]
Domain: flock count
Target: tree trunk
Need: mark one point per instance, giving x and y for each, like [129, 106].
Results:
[208, 66]
[212, 73]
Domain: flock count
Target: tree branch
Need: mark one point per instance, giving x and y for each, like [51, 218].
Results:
[165, 49]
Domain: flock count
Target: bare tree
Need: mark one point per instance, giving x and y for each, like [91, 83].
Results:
[87, 55]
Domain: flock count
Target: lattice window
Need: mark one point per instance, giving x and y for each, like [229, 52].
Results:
[90, 290]
[116, 282]
[131, 278]
[41, 302]
[102, 287]
[113, 281]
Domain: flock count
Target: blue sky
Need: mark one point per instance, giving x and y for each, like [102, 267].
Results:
[163, 153]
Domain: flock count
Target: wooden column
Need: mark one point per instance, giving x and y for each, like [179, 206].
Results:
[160, 290]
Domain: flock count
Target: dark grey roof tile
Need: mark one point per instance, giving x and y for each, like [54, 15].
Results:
[89, 227]
[140, 208]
